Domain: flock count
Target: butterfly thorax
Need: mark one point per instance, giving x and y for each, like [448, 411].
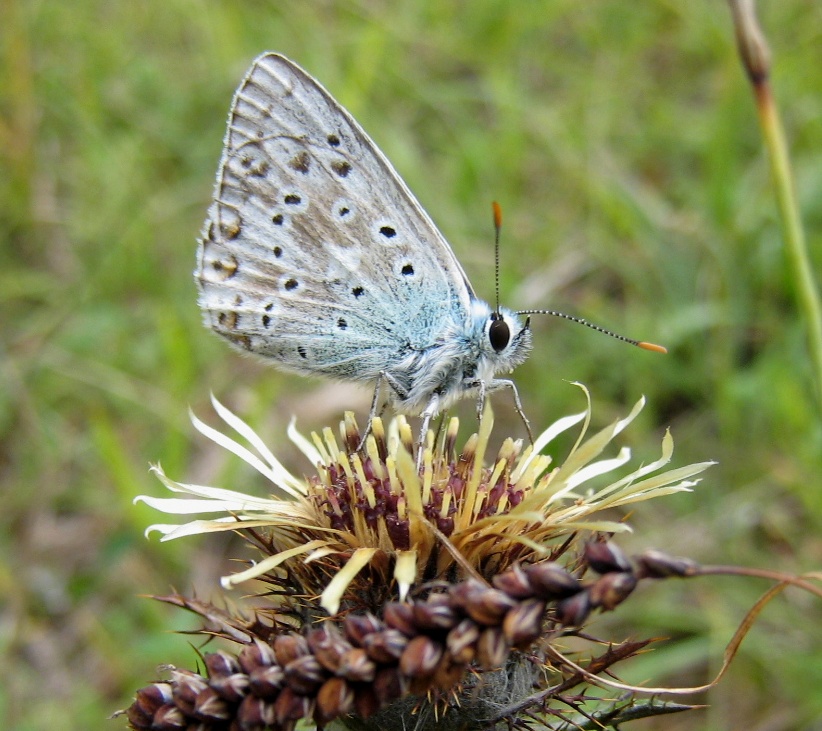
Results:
[460, 362]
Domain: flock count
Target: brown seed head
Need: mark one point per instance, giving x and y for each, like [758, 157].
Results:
[606, 557]
[257, 655]
[514, 582]
[386, 647]
[304, 674]
[551, 581]
[420, 657]
[462, 641]
[210, 707]
[335, 698]
[356, 666]
[288, 648]
[358, 626]
[492, 648]
[658, 565]
[523, 624]
[266, 682]
[611, 590]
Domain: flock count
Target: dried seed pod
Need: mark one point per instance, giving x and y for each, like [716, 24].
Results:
[266, 682]
[385, 647]
[221, 664]
[288, 648]
[447, 674]
[514, 582]
[611, 590]
[186, 686]
[658, 565]
[147, 702]
[462, 641]
[359, 626]
[485, 605]
[254, 713]
[255, 656]
[328, 646]
[551, 581]
[304, 675]
[574, 610]
[292, 706]
[356, 666]
[606, 557]
[400, 617]
[434, 615]
[492, 648]
[335, 698]
[232, 688]
[210, 707]
[523, 624]
[389, 684]
[366, 703]
[169, 718]
[420, 657]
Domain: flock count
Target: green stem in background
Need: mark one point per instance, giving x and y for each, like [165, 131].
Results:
[756, 59]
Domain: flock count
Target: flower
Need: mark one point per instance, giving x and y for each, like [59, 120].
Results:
[393, 588]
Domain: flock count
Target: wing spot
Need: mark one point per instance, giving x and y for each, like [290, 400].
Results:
[301, 162]
[292, 199]
[343, 211]
[291, 284]
[226, 268]
[231, 230]
[241, 341]
[301, 351]
[342, 324]
[388, 231]
[333, 140]
[254, 166]
[358, 291]
[266, 320]
[269, 307]
[277, 219]
[341, 167]
[407, 270]
[278, 252]
[228, 320]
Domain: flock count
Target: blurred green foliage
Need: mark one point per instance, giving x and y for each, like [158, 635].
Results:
[622, 142]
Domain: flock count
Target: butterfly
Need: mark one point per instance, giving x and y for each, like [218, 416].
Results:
[316, 256]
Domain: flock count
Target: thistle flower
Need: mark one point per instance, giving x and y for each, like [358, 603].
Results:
[445, 591]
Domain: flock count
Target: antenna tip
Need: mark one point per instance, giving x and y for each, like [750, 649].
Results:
[652, 346]
[497, 214]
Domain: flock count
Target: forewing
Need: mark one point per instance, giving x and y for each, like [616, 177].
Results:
[314, 252]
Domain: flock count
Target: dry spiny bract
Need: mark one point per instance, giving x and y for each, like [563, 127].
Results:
[397, 597]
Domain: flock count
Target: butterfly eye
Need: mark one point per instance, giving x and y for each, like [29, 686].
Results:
[499, 334]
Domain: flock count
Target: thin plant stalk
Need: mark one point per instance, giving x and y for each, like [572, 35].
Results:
[756, 59]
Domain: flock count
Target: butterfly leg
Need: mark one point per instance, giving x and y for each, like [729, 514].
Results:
[431, 410]
[375, 402]
[495, 385]
[481, 393]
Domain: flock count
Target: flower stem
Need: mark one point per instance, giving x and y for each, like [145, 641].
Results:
[755, 55]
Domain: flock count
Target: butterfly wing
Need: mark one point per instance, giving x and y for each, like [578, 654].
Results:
[314, 252]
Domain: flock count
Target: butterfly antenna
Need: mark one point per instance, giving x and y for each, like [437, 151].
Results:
[582, 321]
[497, 227]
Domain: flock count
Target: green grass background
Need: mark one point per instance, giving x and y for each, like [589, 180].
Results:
[622, 142]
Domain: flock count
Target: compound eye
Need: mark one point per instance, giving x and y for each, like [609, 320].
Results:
[499, 334]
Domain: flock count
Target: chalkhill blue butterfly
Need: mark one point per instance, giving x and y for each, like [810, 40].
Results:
[316, 256]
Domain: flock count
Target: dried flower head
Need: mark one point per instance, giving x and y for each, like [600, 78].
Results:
[445, 592]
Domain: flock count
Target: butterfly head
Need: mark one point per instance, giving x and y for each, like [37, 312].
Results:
[506, 339]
